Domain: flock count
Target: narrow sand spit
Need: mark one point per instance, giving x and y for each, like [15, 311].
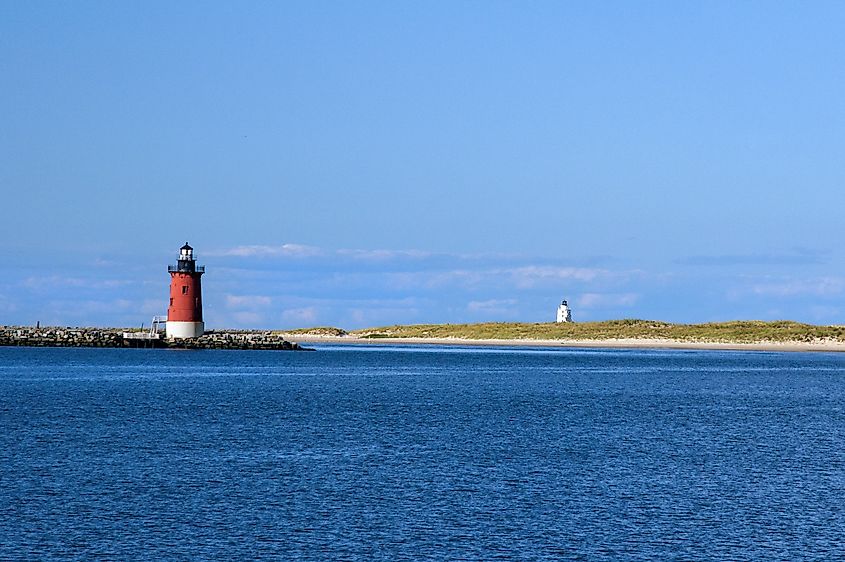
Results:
[609, 343]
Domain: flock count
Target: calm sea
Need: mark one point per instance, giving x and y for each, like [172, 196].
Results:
[399, 453]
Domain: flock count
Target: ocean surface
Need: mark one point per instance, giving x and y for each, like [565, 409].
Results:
[401, 453]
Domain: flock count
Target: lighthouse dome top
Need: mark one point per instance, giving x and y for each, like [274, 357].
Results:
[187, 262]
[186, 252]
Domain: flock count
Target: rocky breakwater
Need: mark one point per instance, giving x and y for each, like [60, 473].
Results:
[112, 337]
[60, 337]
[237, 340]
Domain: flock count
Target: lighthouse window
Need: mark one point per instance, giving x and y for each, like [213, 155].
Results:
[184, 289]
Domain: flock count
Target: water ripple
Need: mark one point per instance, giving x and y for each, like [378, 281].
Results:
[403, 453]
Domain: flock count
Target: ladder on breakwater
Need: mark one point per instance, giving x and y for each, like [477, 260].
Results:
[150, 338]
[158, 324]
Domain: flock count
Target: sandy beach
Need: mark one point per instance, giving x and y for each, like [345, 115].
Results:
[608, 343]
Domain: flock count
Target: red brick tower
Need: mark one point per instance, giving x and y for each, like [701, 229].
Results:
[184, 315]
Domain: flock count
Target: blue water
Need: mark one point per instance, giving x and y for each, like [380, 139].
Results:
[397, 453]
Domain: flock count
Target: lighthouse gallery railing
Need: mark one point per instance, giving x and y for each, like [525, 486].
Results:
[198, 268]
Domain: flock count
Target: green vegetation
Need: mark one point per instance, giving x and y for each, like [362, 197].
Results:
[723, 332]
[316, 331]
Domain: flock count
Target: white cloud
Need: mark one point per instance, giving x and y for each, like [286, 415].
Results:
[438, 279]
[606, 300]
[336, 287]
[356, 254]
[822, 287]
[57, 281]
[100, 262]
[154, 307]
[526, 277]
[76, 310]
[245, 319]
[257, 250]
[529, 276]
[492, 307]
[300, 317]
[383, 255]
[380, 316]
[247, 301]
[488, 304]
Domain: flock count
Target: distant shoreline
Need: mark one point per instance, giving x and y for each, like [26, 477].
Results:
[742, 335]
[795, 346]
[738, 336]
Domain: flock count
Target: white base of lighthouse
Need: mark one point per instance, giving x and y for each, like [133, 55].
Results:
[184, 329]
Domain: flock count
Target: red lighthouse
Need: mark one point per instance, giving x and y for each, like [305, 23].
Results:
[184, 315]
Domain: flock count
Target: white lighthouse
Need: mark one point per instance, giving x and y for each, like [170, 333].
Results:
[563, 313]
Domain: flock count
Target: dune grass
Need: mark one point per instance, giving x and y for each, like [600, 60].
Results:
[751, 331]
[316, 331]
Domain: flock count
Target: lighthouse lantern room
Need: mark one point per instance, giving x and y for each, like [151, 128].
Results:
[184, 314]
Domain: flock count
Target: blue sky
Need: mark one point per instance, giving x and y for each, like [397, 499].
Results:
[367, 163]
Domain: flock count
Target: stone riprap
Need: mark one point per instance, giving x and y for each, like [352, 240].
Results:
[112, 337]
[236, 340]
